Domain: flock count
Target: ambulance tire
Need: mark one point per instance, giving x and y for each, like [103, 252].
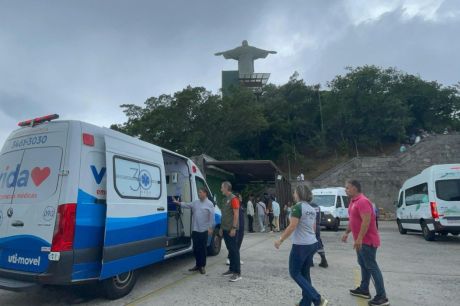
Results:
[216, 244]
[119, 285]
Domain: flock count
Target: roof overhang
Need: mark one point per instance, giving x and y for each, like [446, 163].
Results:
[249, 171]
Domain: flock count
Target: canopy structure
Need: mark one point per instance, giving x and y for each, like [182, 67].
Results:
[249, 171]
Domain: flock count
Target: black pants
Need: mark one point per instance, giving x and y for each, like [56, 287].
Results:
[270, 221]
[233, 251]
[250, 224]
[200, 240]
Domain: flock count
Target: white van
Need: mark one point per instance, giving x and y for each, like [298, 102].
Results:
[430, 202]
[333, 202]
[82, 203]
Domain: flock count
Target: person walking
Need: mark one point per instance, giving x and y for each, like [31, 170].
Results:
[229, 225]
[250, 213]
[240, 232]
[261, 211]
[304, 245]
[320, 251]
[276, 214]
[366, 236]
[270, 215]
[203, 225]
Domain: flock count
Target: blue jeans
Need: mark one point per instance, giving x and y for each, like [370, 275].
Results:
[369, 267]
[299, 269]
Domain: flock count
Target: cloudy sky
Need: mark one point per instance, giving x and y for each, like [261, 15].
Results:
[82, 59]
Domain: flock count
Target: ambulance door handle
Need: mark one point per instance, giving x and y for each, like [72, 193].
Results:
[17, 223]
[160, 208]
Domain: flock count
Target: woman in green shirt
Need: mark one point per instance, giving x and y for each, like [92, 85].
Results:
[304, 245]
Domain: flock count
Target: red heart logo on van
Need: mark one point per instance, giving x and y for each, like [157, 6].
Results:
[39, 175]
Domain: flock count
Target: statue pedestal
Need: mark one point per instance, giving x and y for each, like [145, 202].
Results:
[253, 81]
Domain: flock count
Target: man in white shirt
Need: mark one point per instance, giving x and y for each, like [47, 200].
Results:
[203, 224]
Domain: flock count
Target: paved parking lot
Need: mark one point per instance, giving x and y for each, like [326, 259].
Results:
[416, 272]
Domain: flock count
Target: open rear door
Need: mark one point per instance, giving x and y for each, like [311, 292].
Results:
[136, 218]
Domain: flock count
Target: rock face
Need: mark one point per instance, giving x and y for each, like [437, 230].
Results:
[381, 177]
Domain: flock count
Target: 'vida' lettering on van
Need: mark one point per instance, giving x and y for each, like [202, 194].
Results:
[17, 178]
[15, 259]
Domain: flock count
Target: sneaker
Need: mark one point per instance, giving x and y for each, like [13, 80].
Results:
[202, 270]
[241, 262]
[228, 273]
[235, 277]
[379, 301]
[323, 302]
[228, 262]
[195, 268]
[361, 293]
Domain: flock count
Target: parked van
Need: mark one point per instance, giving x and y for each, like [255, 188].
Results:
[82, 203]
[334, 206]
[430, 202]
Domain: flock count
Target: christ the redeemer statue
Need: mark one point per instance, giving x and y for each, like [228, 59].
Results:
[245, 55]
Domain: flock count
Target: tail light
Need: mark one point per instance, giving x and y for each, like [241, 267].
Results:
[64, 229]
[434, 210]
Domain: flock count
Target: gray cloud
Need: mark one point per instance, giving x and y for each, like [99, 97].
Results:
[82, 59]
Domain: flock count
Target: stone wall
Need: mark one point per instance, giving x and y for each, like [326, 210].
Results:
[381, 177]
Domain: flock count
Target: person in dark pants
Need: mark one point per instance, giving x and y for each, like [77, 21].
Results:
[320, 251]
[367, 240]
[271, 217]
[203, 224]
[240, 232]
[250, 213]
[229, 225]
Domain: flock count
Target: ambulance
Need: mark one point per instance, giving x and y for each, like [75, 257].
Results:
[81, 203]
[430, 202]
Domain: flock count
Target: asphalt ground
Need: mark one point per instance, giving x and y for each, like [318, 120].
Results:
[416, 272]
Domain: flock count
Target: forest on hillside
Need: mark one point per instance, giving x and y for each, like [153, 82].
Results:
[364, 110]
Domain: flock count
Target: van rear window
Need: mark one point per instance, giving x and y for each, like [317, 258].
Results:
[448, 190]
[29, 175]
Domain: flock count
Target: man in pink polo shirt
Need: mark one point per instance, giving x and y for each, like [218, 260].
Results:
[366, 236]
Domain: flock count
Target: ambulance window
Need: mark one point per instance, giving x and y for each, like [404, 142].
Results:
[8, 164]
[201, 184]
[36, 179]
[136, 179]
[339, 202]
[417, 194]
[345, 201]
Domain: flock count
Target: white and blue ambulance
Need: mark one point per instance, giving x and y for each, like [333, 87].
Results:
[82, 203]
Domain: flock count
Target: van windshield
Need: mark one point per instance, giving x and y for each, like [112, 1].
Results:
[448, 190]
[324, 200]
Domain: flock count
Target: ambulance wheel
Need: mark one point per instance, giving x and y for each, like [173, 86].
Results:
[216, 243]
[119, 285]
[427, 234]
[401, 229]
[444, 233]
[455, 233]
